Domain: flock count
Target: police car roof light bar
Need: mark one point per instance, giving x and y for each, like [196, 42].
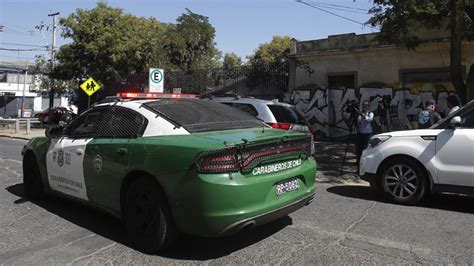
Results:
[154, 95]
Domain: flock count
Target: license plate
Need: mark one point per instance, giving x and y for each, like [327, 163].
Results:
[286, 186]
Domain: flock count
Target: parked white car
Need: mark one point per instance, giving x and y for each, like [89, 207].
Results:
[407, 165]
[276, 114]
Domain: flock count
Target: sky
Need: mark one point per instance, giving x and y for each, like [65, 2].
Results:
[241, 25]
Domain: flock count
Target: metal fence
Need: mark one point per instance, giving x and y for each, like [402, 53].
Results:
[264, 82]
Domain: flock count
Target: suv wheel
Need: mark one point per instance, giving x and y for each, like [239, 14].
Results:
[403, 181]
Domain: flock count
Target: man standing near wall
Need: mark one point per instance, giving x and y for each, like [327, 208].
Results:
[429, 116]
[364, 129]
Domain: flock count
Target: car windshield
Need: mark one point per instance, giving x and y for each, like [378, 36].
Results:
[286, 114]
[202, 116]
[441, 124]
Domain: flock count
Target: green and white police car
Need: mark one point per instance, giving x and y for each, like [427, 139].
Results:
[172, 165]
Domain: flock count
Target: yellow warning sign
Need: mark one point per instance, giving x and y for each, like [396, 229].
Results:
[90, 86]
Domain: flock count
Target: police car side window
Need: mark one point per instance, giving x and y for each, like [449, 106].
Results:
[121, 122]
[86, 125]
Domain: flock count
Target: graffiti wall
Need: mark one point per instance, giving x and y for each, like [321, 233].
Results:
[394, 109]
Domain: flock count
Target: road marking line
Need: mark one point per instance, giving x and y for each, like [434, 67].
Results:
[367, 239]
[10, 160]
[91, 254]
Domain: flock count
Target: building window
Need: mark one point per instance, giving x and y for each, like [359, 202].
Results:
[426, 77]
[339, 80]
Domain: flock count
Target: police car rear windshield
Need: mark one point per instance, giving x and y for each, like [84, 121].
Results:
[202, 116]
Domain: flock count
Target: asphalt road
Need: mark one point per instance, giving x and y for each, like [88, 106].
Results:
[344, 224]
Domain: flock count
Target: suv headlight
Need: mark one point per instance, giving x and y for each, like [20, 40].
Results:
[376, 140]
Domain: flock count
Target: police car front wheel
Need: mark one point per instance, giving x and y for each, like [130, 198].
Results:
[148, 221]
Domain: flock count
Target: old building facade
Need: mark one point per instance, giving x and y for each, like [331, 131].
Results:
[325, 74]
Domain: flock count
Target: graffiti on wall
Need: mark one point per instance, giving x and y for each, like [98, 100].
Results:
[394, 109]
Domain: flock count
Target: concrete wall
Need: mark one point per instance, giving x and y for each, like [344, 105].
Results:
[373, 64]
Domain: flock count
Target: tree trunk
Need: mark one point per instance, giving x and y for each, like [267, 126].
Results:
[457, 21]
[470, 84]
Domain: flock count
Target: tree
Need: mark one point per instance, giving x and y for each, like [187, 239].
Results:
[268, 66]
[42, 68]
[231, 61]
[273, 54]
[400, 22]
[190, 43]
[109, 45]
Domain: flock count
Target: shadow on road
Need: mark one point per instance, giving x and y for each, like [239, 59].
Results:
[448, 202]
[331, 156]
[186, 248]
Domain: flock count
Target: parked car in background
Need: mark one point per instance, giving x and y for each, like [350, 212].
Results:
[407, 165]
[276, 114]
[58, 112]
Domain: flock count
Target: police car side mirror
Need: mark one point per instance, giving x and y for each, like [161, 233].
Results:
[55, 132]
[455, 122]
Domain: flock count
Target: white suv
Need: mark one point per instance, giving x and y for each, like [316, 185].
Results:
[406, 165]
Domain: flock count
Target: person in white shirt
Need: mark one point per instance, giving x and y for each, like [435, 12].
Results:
[453, 103]
[364, 129]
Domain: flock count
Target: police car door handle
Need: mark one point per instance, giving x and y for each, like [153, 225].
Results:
[79, 151]
[122, 151]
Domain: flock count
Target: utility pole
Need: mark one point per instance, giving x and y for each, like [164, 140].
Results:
[53, 44]
[23, 98]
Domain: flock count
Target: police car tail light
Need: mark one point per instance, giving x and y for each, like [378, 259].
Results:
[154, 95]
[250, 157]
[218, 162]
[284, 126]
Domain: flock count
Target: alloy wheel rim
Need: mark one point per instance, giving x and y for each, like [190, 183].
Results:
[401, 181]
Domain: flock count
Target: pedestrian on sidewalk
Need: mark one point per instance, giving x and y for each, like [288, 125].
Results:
[453, 103]
[364, 129]
[429, 116]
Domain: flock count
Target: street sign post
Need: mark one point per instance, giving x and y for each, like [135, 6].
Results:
[90, 86]
[156, 79]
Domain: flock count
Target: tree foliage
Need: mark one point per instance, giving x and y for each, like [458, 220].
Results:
[273, 54]
[42, 68]
[190, 43]
[270, 63]
[108, 44]
[111, 45]
[231, 61]
[403, 21]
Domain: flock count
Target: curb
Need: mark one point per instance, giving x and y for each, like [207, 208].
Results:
[14, 137]
[341, 182]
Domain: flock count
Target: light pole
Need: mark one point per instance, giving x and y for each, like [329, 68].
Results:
[52, 90]
[24, 88]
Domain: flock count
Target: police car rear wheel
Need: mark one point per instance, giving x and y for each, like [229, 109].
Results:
[32, 181]
[147, 219]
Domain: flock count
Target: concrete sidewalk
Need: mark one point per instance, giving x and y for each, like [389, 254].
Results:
[10, 133]
[330, 157]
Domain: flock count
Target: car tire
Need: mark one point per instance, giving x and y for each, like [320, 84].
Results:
[148, 221]
[403, 181]
[32, 180]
